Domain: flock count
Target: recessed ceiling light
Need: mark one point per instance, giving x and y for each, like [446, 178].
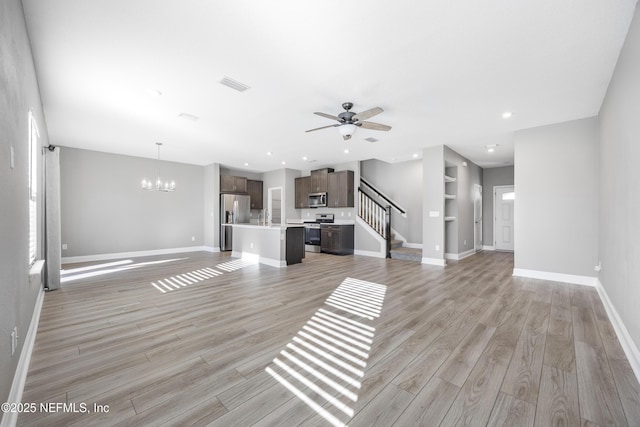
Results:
[491, 147]
[269, 153]
[187, 116]
[507, 114]
[415, 155]
[284, 163]
[246, 164]
[491, 150]
[346, 151]
[304, 158]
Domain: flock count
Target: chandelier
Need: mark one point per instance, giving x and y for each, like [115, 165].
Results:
[159, 185]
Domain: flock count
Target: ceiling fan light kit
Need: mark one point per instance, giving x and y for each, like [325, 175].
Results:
[350, 121]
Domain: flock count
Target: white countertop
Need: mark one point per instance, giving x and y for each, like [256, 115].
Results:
[265, 227]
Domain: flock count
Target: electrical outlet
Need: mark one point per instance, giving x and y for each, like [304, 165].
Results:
[437, 247]
[64, 246]
[12, 161]
[193, 238]
[465, 243]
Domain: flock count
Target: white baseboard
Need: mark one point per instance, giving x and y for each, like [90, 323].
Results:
[461, 255]
[630, 348]
[369, 253]
[212, 249]
[488, 248]
[434, 261]
[20, 376]
[119, 255]
[555, 277]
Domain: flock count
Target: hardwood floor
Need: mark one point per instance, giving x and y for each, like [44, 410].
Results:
[201, 338]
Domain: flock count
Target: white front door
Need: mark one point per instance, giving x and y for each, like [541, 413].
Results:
[503, 200]
[477, 216]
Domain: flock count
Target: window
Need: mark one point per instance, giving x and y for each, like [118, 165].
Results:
[33, 188]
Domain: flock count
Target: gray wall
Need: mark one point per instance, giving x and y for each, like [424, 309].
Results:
[490, 178]
[556, 206]
[433, 200]
[18, 94]
[104, 210]
[619, 242]
[467, 176]
[402, 182]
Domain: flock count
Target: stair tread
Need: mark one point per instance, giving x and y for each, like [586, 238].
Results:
[407, 250]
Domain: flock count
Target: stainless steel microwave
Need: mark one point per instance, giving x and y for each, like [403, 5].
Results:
[317, 200]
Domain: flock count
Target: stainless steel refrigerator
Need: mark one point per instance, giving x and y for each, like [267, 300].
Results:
[234, 209]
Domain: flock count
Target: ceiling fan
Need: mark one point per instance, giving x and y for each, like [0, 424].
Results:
[350, 121]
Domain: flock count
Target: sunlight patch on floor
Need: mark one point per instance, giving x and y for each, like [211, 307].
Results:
[324, 363]
[69, 275]
[183, 280]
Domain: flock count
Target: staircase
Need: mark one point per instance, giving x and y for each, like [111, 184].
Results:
[379, 219]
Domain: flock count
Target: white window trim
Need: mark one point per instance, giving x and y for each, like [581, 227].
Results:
[33, 147]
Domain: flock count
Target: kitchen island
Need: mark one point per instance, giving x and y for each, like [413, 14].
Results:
[275, 245]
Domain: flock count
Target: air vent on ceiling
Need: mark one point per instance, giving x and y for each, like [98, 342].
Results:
[371, 139]
[233, 84]
[187, 116]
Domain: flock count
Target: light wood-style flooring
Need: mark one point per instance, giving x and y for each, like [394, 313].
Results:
[202, 339]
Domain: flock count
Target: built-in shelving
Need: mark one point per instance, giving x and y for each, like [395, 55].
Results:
[450, 207]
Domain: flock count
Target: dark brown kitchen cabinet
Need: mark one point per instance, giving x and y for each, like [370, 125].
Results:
[303, 185]
[336, 239]
[233, 184]
[255, 193]
[340, 189]
[319, 179]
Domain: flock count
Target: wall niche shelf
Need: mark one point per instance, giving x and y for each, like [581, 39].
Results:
[450, 196]
[449, 218]
[448, 178]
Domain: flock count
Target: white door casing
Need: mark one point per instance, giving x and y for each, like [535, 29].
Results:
[477, 216]
[503, 202]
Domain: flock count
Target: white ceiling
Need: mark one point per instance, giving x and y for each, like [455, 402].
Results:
[444, 72]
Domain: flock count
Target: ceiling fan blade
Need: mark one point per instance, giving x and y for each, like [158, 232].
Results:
[368, 113]
[323, 127]
[373, 126]
[328, 116]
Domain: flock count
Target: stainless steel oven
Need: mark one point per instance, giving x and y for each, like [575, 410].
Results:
[312, 237]
[312, 232]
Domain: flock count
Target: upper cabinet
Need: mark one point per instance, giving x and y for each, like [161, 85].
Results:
[319, 180]
[254, 189]
[303, 185]
[338, 186]
[340, 189]
[233, 184]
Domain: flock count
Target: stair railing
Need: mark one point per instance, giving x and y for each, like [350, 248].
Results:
[377, 217]
[381, 195]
